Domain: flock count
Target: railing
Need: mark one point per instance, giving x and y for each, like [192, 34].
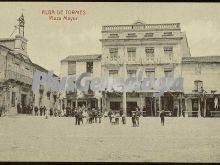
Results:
[170, 26]
[18, 77]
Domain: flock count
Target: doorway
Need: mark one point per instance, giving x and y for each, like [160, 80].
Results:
[149, 108]
[23, 99]
[195, 107]
[131, 106]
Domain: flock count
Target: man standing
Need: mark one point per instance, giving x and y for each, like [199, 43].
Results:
[110, 115]
[18, 108]
[76, 116]
[44, 110]
[41, 110]
[36, 110]
[162, 116]
[137, 115]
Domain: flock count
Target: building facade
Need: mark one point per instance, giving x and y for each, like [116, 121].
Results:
[154, 49]
[16, 72]
[157, 50]
[201, 85]
[74, 66]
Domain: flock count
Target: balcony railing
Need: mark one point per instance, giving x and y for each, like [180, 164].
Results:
[171, 26]
[18, 77]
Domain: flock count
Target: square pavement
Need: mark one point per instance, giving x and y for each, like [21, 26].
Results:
[30, 138]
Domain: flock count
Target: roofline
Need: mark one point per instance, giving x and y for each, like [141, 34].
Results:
[87, 55]
[7, 39]
[36, 65]
[6, 47]
[194, 59]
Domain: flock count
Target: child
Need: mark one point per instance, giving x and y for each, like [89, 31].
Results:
[113, 119]
[133, 118]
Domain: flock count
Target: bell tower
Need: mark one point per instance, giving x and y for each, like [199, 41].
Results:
[21, 25]
[20, 40]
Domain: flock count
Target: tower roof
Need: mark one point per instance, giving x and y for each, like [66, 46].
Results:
[139, 22]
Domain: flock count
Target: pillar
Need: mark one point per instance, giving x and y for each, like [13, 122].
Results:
[204, 107]
[178, 108]
[159, 103]
[186, 113]
[99, 103]
[181, 105]
[199, 108]
[141, 101]
[123, 88]
[124, 102]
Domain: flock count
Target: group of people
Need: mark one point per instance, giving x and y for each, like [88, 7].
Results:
[81, 113]
[91, 115]
[115, 116]
[24, 109]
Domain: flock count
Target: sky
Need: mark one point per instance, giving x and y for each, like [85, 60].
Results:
[51, 41]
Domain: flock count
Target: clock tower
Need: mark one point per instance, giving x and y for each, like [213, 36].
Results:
[20, 40]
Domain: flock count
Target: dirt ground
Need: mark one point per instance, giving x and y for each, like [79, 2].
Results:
[30, 138]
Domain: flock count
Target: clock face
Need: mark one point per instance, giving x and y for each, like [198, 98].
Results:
[23, 46]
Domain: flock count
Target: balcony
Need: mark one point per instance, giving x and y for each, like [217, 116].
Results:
[18, 77]
[171, 26]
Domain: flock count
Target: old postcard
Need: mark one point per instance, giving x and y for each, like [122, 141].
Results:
[109, 82]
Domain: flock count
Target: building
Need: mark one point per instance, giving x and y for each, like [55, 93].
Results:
[157, 50]
[16, 72]
[73, 66]
[154, 49]
[201, 85]
[48, 99]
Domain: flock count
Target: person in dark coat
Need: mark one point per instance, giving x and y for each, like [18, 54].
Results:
[28, 109]
[133, 118]
[41, 110]
[110, 113]
[162, 116]
[76, 116]
[137, 115]
[44, 110]
[36, 110]
[80, 116]
[18, 108]
[51, 111]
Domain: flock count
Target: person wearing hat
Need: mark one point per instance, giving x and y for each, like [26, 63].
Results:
[133, 118]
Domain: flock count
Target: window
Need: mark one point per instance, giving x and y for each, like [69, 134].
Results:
[167, 34]
[131, 73]
[89, 67]
[198, 86]
[149, 52]
[113, 54]
[168, 73]
[132, 35]
[131, 54]
[168, 51]
[150, 73]
[113, 36]
[114, 106]
[71, 68]
[113, 73]
[149, 35]
[48, 95]
[13, 99]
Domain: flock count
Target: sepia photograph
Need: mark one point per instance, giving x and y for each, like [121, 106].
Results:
[110, 82]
